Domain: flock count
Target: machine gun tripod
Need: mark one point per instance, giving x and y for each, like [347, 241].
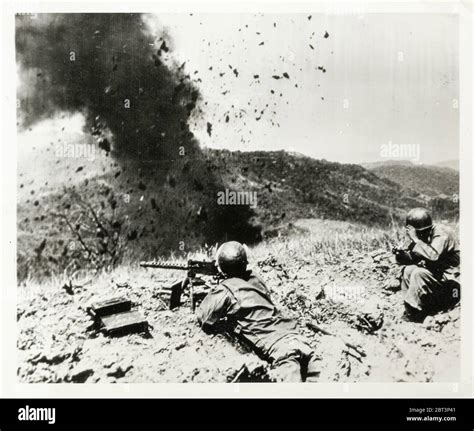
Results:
[193, 268]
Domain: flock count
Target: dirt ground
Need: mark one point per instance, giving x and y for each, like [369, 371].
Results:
[353, 296]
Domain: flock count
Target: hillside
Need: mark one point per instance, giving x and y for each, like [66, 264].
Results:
[433, 181]
[336, 273]
[395, 162]
[76, 213]
[452, 164]
[295, 186]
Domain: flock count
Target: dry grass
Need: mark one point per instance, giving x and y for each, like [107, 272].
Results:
[313, 240]
[327, 240]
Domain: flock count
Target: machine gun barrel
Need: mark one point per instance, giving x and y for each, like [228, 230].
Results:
[193, 268]
[164, 265]
[197, 266]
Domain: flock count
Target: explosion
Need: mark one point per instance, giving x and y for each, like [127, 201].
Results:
[112, 69]
[137, 102]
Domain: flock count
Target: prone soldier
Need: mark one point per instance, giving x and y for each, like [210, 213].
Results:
[243, 300]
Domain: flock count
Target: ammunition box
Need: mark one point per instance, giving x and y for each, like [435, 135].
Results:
[124, 323]
[175, 297]
[110, 306]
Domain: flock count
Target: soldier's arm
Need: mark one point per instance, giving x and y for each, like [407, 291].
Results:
[434, 249]
[405, 257]
[263, 284]
[214, 307]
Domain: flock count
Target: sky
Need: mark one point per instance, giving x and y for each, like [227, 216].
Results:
[375, 80]
[340, 87]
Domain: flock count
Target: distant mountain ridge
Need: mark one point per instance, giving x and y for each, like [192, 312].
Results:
[373, 165]
[147, 212]
[430, 180]
[452, 164]
[292, 186]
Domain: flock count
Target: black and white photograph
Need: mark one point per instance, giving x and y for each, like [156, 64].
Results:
[240, 197]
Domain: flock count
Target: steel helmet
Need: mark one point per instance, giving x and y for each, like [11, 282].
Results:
[231, 258]
[420, 219]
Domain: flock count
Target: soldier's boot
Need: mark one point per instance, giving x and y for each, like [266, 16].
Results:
[412, 314]
[313, 370]
[287, 370]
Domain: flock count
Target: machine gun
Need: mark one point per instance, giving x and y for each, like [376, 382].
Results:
[193, 268]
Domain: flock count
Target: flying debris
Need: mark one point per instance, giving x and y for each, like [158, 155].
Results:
[163, 48]
[104, 144]
[326, 35]
[156, 61]
[209, 128]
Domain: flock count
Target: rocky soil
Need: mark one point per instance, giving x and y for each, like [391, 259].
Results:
[355, 298]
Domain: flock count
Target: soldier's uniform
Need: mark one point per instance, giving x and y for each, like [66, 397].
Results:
[432, 270]
[245, 302]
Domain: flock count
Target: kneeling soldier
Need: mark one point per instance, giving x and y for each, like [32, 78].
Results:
[430, 279]
[243, 300]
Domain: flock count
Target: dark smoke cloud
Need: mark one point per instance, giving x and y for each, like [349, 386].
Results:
[99, 64]
[110, 68]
